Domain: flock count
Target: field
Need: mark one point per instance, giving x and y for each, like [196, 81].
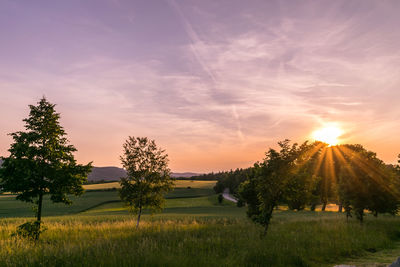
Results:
[178, 184]
[193, 230]
[96, 195]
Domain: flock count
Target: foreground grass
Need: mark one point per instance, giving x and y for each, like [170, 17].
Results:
[193, 230]
[377, 259]
[218, 235]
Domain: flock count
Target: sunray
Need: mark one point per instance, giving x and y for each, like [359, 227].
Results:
[319, 162]
[330, 164]
[328, 171]
[360, 161]
[339, 154]
[378, 178]
[309, 154]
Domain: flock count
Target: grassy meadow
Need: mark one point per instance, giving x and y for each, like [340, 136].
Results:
[193, 230]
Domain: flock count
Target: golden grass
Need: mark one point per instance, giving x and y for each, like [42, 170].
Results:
[294, 239]
[178, 184]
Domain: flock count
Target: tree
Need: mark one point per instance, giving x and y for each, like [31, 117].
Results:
[220, 198]
[366, 183]
[41, 162]
[268, 187]
[148, 176]
[248, 194]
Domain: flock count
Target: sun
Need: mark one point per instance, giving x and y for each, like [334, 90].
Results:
[329, 135]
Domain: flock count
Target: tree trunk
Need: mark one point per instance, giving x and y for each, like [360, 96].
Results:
[340, 208]
[265, 229]
[347, 209]
[323, 206]
[313, 206]
[267, 220]
[360, 214]
[39, 215]
[138, 219]
[39, 211]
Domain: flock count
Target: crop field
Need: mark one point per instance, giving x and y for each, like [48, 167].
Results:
[178, 184]
[193, 230]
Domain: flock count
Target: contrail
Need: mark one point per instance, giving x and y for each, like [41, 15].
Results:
[194, 39]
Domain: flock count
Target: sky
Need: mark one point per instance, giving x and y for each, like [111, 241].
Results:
[215, 83]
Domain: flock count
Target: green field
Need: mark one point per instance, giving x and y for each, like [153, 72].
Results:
[96, 195]
[193, 230]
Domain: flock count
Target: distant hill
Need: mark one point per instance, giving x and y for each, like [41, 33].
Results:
[115, 173]
[184, 174]
[106, 174]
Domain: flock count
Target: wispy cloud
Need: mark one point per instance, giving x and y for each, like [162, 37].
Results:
[215, 84]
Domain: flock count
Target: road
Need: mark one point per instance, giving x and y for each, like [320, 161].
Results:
[227, 196]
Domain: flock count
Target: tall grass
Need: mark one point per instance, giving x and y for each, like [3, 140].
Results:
[294, 239]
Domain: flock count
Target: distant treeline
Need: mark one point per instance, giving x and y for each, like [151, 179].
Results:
[204, 177]
[194, 178]
[232, 179]
[226, 179]
[99, 182]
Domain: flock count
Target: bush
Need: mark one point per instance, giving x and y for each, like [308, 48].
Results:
[30, 230]
[220, 198]
[240, 203]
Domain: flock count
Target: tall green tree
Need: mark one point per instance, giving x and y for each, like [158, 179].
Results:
[366, 183]
[148, 176]
[273, 176]
[41, 161]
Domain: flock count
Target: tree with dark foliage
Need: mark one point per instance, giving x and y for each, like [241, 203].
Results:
[148, 176]
[272, 177]
[41, 162]
[220, 198]
[366, 183]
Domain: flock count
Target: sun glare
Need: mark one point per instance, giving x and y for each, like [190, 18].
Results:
[328, 135]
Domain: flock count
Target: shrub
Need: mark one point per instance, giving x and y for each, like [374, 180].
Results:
[30, 230]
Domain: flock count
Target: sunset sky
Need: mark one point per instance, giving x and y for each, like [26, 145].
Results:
[215, 83]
